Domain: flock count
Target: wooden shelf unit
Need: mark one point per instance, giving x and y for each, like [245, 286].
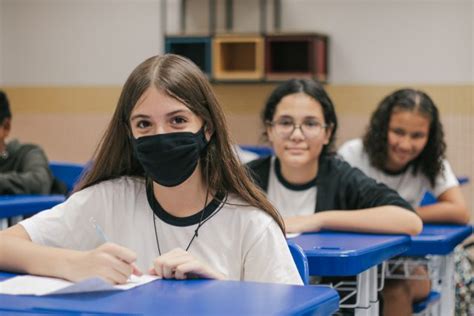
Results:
[259, 57]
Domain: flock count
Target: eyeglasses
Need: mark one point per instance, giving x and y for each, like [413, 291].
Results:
[285, 128]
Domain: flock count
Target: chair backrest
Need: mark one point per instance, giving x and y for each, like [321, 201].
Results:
[262, 151]
[67, 172]
[300, 260]
[425, 306]
[429, 198]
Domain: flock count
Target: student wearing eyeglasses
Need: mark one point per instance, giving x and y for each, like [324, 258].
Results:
[307, 183]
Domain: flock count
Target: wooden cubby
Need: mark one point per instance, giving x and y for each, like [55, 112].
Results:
[196, 48]
[296, 56]
[237, 57]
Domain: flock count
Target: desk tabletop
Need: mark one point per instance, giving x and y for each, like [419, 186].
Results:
[198, 297]
[345, 254]
[438, 239]
[15, 205]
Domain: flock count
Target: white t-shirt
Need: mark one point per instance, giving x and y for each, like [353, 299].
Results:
[410, 187]
[290, 199]
[241, 242]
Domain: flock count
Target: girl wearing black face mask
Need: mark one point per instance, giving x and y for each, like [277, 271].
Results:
[167, 190]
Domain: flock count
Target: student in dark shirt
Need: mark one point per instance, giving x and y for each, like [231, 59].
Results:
[23, 167]
[311, 188]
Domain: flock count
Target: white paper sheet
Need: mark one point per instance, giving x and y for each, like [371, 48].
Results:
[36, 285]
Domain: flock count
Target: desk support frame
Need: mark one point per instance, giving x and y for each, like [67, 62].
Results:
[447, 290]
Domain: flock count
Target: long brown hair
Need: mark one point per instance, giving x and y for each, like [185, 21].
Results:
[182, 80]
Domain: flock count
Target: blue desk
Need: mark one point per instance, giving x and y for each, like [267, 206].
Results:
[351, 254]
[198, 297]
[440, 240]
[14, 205]
[20, 205]
[341, 254]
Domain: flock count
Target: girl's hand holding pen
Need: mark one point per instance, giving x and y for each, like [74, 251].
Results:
[109, 261]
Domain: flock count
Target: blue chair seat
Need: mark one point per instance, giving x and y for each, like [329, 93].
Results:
[421, 306]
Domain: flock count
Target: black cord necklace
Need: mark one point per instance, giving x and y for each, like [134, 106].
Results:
[201, 222]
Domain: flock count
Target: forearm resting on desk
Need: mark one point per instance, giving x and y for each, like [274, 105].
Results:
[21, 255]
[384, 219]
[444, 212]
[450, 208]
[108, 261]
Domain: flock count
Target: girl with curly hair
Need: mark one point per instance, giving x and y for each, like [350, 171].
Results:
[404, 148]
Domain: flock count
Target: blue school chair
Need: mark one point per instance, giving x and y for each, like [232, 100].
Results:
[262, 151]
[67, 172]
[429, 198]
[300, 260]
[428, 305]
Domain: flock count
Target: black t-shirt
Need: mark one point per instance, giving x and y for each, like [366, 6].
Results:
[340, 186]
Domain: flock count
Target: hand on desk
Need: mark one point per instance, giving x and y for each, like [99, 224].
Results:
[180, 264]
[109, 261]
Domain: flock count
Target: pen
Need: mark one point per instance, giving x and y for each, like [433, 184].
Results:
[102, 235]
[98, 229]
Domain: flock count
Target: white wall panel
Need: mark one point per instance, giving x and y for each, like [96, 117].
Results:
[77, 42]
[380, 41]
[93, 42]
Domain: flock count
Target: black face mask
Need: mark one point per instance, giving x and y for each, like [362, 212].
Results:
[170, 159]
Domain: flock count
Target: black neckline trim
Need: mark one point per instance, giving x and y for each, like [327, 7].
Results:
[181, 221]
[292, 186]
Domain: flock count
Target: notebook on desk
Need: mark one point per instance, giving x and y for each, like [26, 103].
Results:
[36, 285]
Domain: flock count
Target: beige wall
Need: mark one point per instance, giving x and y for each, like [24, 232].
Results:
[68, 121]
